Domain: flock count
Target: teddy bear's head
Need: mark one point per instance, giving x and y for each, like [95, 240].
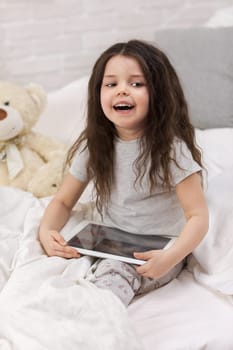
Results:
[20, 108]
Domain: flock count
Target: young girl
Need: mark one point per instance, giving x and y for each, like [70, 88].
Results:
[138, 148]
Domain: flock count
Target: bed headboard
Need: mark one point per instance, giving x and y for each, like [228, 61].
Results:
[203, 58]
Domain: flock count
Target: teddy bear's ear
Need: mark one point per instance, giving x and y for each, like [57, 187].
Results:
[38, 94]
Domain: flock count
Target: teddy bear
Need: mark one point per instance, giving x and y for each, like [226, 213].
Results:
[29, 160]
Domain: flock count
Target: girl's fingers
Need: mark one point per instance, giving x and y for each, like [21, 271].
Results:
[144, 255]
[63, 254]
[66, 254]
[62, 250]
[142, 269]
[58, 237]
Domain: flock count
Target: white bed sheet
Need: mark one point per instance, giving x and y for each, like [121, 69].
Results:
[45, 302]
[183, 315]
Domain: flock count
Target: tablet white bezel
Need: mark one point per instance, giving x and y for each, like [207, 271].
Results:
[103, 255]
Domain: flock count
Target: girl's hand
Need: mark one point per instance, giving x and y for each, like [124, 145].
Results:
[54, 244]
[158, 263]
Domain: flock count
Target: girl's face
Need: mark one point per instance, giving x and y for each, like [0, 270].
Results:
[124, 96]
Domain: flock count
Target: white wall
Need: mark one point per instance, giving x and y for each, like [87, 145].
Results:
[53, 42]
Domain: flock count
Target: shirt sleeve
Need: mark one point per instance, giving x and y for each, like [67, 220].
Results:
[78, 166]
[186, 164]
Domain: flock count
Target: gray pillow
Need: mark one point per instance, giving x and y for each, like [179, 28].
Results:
[203, 59]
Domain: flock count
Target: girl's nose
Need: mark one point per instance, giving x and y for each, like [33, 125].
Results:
[123, 92]
[122, 88]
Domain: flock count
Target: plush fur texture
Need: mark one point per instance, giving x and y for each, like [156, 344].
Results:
[28, 160]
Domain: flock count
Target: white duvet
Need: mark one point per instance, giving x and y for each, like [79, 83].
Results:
[44, 302]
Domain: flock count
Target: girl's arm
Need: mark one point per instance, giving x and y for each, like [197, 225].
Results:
[56, 215]
[191, 197]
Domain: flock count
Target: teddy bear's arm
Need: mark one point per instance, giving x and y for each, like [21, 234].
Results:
[44, 146]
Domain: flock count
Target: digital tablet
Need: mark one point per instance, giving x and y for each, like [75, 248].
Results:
[109, 242]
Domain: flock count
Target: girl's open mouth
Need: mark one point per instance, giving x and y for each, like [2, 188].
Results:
[123, 107]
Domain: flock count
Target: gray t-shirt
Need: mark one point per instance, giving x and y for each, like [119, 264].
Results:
[132, 207]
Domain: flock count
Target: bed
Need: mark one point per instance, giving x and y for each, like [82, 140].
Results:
[45, 302]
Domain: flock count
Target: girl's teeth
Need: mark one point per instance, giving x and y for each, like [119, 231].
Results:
[123, 107]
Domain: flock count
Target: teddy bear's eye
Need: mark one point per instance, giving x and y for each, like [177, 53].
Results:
[7, 103]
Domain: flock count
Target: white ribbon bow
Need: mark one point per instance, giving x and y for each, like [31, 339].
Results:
[14, 161]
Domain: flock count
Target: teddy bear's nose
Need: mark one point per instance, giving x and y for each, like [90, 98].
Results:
[3, 114]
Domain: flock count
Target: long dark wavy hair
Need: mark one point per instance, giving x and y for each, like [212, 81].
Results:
[167, 118]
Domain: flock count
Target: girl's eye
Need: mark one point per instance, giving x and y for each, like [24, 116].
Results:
[110, 84]
[137, 84]
[6, 103]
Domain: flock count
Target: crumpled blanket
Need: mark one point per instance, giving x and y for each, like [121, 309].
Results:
[45, 303]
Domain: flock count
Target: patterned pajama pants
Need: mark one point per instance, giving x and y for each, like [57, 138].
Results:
[124, 281]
